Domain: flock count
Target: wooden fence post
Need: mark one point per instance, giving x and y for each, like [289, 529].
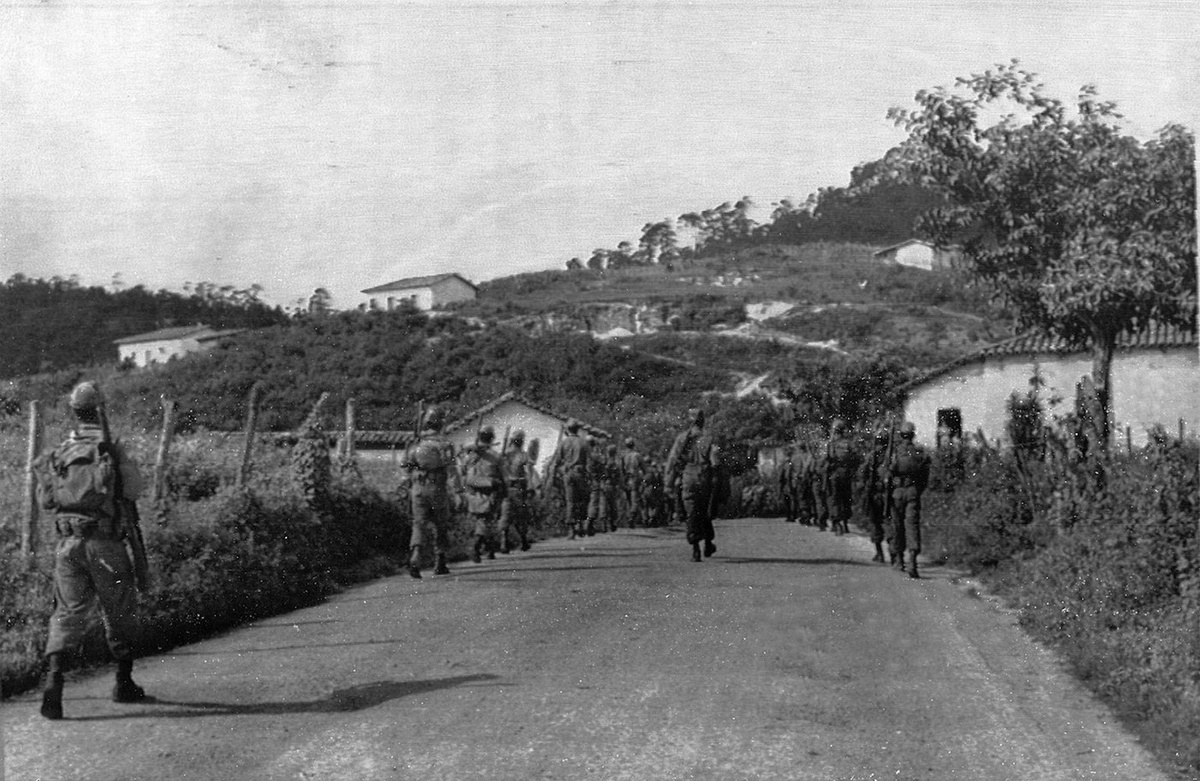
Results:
[158, 488]
[29, 529]
[348, 445]
[251, 422]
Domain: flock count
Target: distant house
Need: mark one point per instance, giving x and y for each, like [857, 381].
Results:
[167, 343]
[1155, 381]
[425, 293]
[919, 254]
[511, 412]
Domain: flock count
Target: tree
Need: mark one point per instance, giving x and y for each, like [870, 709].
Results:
[1082, 230]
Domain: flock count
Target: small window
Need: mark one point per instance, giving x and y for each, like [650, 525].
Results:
[949, 425]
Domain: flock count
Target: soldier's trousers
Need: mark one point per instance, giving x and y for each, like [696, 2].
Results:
[634, 513]
[697, 495]
[791, 505]
[906, 519]
[514, 513]
[875, 520]
[601, 507]
[86, 572]
[820, 504]
[430, 509]
[841, 494]
[576, 493]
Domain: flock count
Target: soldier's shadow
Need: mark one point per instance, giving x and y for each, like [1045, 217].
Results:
[759, 560]
[354, 698]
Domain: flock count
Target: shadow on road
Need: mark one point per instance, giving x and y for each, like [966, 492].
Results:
[755, 560]
[355, 698]
[493, 569]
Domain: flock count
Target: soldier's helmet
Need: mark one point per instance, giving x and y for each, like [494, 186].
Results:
[487, 434]
[573, 425]
[85, 396]
[518, 437]
[629, 442]
[907, 429]
[434, 418]
[696, 416]
[838, 426]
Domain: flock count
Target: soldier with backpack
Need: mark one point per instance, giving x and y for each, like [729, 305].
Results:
[692, 464]
[429, 463]
[484, 484]
[570, 463]
[840, 462]
[909, 471]
[91, 484]
[633, 473]
[519, 478]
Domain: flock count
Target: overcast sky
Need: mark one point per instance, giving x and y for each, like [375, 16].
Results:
[348, 144]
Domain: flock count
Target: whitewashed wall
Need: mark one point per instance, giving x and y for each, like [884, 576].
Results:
[1149, 387]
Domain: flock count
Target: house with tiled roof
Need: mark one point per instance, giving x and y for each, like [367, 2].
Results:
[1155, 381]
[425, 293]
[511, 412]
[166, 343]
[915, 253]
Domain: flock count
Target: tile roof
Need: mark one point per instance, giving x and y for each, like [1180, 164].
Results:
[1154, 336]
[411, 282]
[904, 243]
[162, 334]
[514, 396]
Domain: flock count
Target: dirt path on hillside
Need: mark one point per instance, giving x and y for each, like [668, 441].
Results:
[788, 655]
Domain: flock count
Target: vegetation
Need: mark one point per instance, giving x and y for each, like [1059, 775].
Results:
[1084, 231]
[58, 323]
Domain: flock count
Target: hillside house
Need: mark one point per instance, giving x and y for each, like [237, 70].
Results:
[166, 343]
[511, 412]
[425, 293]
[915, 253]
[1155, 381]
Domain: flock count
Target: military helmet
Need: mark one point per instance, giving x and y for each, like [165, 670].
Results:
[518, 436]
[907, 429]
[85, 396]
[629, 442]
[487, 434]
[433, 418]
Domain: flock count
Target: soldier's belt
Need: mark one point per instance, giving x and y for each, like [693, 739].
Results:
[86, 527]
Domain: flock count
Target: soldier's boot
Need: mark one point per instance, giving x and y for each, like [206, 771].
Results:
[125, 690]
[477, 550]
[912, 566]
[490, 544]
[52, 697]
[441, 568]
[696, 551]
[573, 534]
[504, 542]
[709, 548]
[414, 562]
[878, 552]
[524, 542]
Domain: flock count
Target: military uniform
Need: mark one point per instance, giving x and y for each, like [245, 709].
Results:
[819, 493]
[910, 473]
[92, 565]
[483, 484]
[653, 497]
[570, 463]
[873, 480]
[692, 463]
[631, 476]
[839, 463]
[429, 463]
[788, 484]
[514, 507]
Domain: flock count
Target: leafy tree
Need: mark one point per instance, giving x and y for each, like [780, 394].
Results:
[1084, 231]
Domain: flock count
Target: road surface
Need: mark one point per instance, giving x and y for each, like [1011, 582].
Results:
[788, 655]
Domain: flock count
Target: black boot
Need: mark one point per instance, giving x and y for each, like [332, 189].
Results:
[490, 545]
[878, 552]
[477, 550]
[709, 548]
[125, 690]
[441, 568]
[525, 544]
[414, 562]
[52, 697]
[696, 551]
[912, 566]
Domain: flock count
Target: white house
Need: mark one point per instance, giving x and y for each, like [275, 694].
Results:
[918, 254]
[167, 343]
[425, 293]
[1155, 381]
[509, 413]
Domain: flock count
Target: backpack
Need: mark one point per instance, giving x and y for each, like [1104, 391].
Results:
[78, 476]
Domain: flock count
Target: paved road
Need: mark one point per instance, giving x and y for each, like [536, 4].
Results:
[788, 655]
